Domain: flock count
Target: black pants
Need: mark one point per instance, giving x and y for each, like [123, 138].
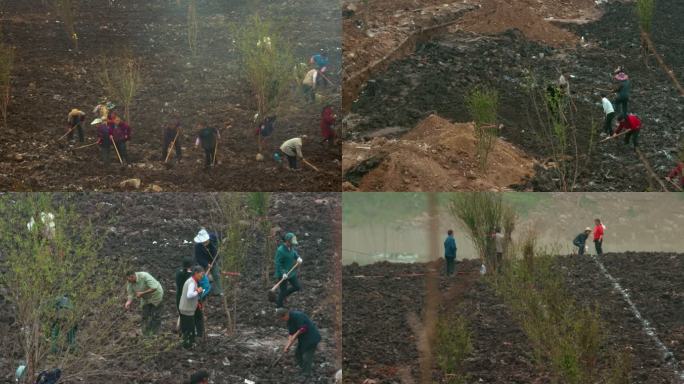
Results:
[608, 125]
[292, 161]
[305, 358]
[208, 157]
[104, 153]
[79, 130]
[188, 330]
[599, 247]
[309, 93]
[151, 318]
[450, 265]
[632, 136]
[621, 106]
[285, 291]
[123, 152]
[176, 146]
[580, 250]
[199, 322]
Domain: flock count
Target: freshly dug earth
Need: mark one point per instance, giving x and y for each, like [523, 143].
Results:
[435, 79]
[49, 80]
[149, 231]
[436, 155]
[378, 297]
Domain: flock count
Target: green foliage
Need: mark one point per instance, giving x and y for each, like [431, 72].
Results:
[193, 27]
[66, 10]
[267, 61]
[47, 261]
[564, 335]
[121, 80]
[481, 213]
[483, 104]
[6, 67]
[453, 345]
[258, 203]
[644, 9]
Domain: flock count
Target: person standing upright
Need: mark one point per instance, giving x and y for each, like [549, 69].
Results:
[188, 306]
[598, 236]
[450, 252]
[286, 259]
[206, 250]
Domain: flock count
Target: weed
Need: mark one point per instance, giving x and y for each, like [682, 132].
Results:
[453, 345]
[644, 10]
[6, 67]
[193, 27]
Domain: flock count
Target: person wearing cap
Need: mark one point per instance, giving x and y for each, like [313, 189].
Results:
[143, 286]
[206, 249]
[320, 62]
[598, 236]
[285, 259]
[208, 138]
[200, 377]
[171, 135]
[301, 329]
[450, 252]
[292, 149]
[622, 91]
[75, 120]
[633, 126]
[581, 241]
[189, 306]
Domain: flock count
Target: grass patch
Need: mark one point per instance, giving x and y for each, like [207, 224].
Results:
[483, 104]
[453, 344]
[6, 67]
[644, 10]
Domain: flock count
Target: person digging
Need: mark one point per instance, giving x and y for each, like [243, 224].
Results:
[302, 330]
[171, 140]
[208, 138]
[103, 139]
[309, 85]
[632, 126]
[75, 121]
[143, 286]
[677, 172]
[263, 132]
[581, 241]
[609, 111]
[286, 261]
[292, 149]
[120, 134]
[450, 253]
[206, 251]
[189, 305]
[328, 119]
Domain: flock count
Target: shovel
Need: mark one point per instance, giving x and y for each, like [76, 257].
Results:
[85, 146]
[116, 149]
[172, 146]
[614, 136]
[66, 134]
[311, 165]
[272, 292]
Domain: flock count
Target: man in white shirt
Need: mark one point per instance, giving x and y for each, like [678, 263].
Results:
[292, 149]
[610, 114]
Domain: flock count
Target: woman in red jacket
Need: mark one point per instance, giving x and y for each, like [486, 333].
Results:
[677, 171]
[598, 236]
[633, 125]
[328, 119]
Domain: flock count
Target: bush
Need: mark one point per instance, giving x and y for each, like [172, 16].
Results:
[483, 104]
[66, 10]
[44, 263]
[121, 79]
[6, 67]
[267, 61]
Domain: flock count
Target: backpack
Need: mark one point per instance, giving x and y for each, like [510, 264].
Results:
[49, 377]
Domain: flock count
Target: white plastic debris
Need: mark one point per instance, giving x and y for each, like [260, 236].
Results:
[483, 269]
[248, 381]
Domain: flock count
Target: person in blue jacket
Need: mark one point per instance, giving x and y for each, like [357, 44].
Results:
[285, 259]
[450, 252]
[206, 250]
[302, 330]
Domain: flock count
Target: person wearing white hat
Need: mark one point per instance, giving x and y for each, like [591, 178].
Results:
[581, 241]
[206, 250]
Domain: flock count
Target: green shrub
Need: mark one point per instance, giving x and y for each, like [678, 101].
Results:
[483, 104]
[6, 67]
[193, 27]
[453, 345]
[121, 79]
[644, 9]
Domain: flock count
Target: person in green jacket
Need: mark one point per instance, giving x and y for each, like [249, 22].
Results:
[143, 286]
[285, 259]
[301, 329]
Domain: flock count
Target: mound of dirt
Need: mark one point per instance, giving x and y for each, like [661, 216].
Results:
[435, 155]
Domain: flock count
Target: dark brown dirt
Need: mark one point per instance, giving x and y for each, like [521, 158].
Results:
[49, 80]
[148, 231]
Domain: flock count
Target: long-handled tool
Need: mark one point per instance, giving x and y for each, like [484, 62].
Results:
[67, 134]
[311, 165]
[614, 136]
[86, 146]
[326, 79]
[213, 162]
[272, 292]
[172, 146]
[674, 184]
[116, 149]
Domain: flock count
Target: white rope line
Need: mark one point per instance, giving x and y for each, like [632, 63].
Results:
[668, 356]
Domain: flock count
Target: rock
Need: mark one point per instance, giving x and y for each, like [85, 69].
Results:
[321, 201]
[338, 377]
[153, 188]
[259, 157]
[131, 183]
[18, 157]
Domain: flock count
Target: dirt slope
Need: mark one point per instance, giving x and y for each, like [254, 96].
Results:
[436, 155]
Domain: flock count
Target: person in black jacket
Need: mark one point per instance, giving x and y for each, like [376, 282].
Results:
[581, 241]
[208, 137]
[206, 250]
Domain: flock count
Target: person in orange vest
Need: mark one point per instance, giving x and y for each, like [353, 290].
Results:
[633, 124]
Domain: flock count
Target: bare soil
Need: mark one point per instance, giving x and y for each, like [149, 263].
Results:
[379, 297]
[436, 155]
[151, 231]
[50, 79]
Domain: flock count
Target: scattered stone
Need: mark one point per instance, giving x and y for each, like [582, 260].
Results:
[131, 183]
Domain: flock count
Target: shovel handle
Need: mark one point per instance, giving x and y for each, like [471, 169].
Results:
[283, 279]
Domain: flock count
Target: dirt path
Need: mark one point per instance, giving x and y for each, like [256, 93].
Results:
[209, 87]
